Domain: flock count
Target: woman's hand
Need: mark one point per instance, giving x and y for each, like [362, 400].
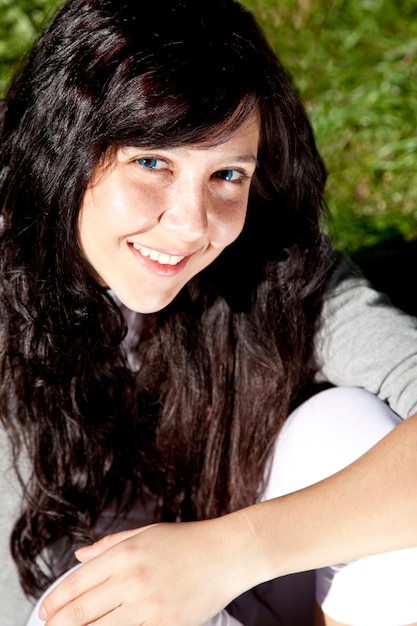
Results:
[165, 574]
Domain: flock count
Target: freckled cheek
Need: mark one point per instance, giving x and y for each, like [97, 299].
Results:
[228, 225]
[135, 207]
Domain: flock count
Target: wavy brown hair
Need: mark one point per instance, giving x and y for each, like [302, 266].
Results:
[223, 365]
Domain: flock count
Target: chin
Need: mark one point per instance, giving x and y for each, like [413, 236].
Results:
[144, 305]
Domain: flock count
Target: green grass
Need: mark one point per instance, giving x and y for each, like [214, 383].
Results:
[20, 21]
[354, 63]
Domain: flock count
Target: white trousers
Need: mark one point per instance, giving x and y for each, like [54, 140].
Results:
[321, 437]
[324, 435]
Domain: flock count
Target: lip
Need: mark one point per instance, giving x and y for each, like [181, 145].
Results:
[158, 268]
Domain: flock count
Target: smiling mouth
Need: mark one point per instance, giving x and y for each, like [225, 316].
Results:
[159, 257]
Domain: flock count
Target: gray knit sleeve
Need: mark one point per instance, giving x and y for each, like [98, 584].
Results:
[363, 341]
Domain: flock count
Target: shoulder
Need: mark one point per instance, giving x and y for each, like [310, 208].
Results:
[363, 340]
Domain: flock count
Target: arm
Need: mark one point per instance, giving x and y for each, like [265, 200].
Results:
[198, 568]
[349, 515]
[363, 341]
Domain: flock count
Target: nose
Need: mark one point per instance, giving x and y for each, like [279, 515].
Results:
[186, 212]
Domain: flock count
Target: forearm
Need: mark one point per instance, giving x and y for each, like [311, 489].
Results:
[367, 508]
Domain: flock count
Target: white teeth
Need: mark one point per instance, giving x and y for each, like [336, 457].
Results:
[143, 251]
[159, 257]
[164, 259]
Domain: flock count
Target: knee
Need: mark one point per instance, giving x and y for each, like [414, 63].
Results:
[376, 591]
[351, 411]
[324, 435]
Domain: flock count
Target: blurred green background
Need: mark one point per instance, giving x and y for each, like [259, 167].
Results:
[354, 63]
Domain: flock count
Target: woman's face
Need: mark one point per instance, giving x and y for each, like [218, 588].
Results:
[153, 219]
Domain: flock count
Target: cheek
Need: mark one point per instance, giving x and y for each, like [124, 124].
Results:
[230, 223]
[105, 213]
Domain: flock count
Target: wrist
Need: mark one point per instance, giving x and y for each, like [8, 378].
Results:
[247, 563]
[271, 538]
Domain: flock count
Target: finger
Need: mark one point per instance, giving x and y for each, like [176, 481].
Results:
[89, 608]
[86, 553]
[72, 586]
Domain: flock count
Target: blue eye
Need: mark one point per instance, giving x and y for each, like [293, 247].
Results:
[150, 163]
[229, 175]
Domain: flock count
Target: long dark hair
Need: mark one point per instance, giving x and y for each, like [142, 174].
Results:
[223, 365]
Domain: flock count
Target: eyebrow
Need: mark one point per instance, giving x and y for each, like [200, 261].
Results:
[245, 158]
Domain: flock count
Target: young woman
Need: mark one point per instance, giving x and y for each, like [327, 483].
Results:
[162, 270]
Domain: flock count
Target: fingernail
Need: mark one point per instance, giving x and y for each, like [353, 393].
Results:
[83, 550]
[43, 615]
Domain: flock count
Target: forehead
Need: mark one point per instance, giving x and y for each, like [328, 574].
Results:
[231, 132]
[235, 126]
[223, 139]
